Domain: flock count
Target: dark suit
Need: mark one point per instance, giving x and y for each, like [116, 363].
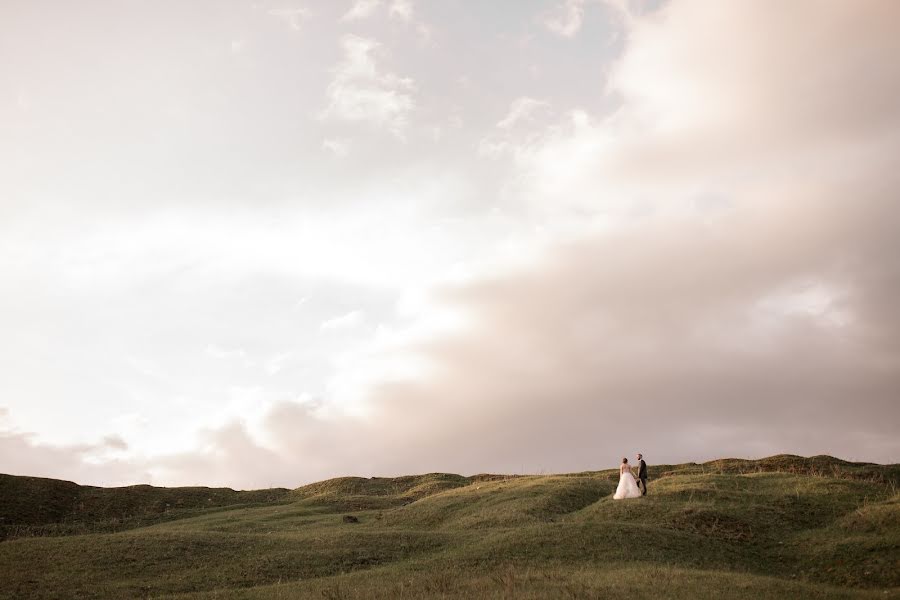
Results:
[642, 477]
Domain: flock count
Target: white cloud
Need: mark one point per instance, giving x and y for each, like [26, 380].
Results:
[360, 92]
[622, 9]
[216, 351]
[521, 109]
[401, 9]
[565, 19]
[816, 300]
[512, 138]
[339, 147]
[275, 364]
[424, 32]
[292, 16]
[491, 147]
[361, 9]
[349, 320]
[228, 354]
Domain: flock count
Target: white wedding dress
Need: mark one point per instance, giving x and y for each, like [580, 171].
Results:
[628, 487]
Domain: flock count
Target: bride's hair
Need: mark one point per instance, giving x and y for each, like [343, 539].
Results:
[624, 461]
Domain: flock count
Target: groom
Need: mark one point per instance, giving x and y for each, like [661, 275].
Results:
[642, 474]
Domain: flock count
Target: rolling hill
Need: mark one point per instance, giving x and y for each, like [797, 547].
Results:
[781, 527]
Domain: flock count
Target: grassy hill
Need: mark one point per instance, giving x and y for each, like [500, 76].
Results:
[781, 527]
[35, 506]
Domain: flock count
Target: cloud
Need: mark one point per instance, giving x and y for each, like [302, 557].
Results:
[237, 355]
[671, 86]
[513, 136]
[401, 9]
[361, 9]
[115, 442]
[520, 109]
[360, 92]
[219, 352]
[666, 332]
[565, 19]
[21, 453]
[292, 16]
[345, 321]
[338, 147]
[753, 323]
[276, 363]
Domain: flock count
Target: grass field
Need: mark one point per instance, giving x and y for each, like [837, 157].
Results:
[782, 527]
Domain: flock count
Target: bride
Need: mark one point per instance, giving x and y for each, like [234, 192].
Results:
[628, 487]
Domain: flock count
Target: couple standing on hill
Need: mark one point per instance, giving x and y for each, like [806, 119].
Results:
[628, 487]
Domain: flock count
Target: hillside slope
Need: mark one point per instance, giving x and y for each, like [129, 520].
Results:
[32, 506]
[780, 527]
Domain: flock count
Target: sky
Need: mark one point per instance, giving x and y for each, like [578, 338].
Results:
[256, 244]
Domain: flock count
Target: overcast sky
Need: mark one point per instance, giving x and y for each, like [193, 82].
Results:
[264, 243]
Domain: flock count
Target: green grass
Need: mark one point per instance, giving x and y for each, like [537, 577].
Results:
[782, 527]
